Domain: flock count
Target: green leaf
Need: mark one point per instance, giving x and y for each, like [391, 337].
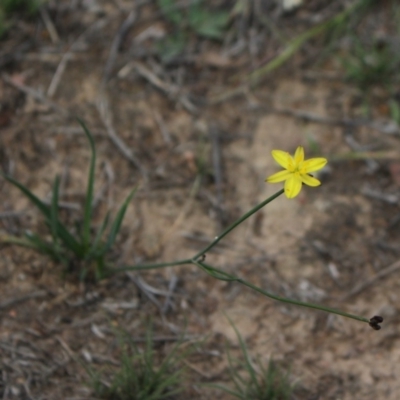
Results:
[30, 6]
[42, 246]
[206, 23]
[35, 200]
[117, 223]
[169, 9]
[25, 242]
[99, 270]
[54, 223]
[171, 47]
[62, 232]
[97, 241]
[249, 366]
[225, 389]
[54, 209]
[87, 214]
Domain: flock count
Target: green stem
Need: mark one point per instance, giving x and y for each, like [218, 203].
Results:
[214, 272]
[140, 267]
[236, 223]
[88, 208]
[221, 275]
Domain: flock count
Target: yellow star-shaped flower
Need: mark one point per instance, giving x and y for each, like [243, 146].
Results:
[297, 171]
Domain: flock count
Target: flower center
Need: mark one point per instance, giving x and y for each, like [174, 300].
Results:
[298, 169]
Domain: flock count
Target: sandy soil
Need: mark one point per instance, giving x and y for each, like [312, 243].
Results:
[318, 247]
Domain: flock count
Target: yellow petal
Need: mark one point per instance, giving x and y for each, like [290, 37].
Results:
[282, 158]
[310, 180]
[299, 155]
[292, 186]
[279, 176]
[313, 164]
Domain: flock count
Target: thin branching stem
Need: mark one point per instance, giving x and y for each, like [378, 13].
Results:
[207, 248]
[140, 267]
[221, 275]
[237, 222]
[224, 276]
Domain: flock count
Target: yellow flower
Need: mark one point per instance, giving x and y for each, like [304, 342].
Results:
[297, 171]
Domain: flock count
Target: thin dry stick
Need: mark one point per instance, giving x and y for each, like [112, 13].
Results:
[59, 73]
[64, 204]
[168, 300]
[49, 25]
[170, 90]
[119, 37]
[105, 115]
[386, 127]
[35, 94]
[19, 299]
[11, 214]
[198, 370]
[152, 289]
[377, 194]
[67, 349]
[67, 56]
[369, 282]
[145, 288]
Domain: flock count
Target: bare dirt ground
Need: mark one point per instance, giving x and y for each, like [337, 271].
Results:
[318, 247]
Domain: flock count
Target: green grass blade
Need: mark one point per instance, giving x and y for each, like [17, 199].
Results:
[248, 364]
[63, 233]
[41, 245]
[224, 388]
[35, 200]
[34, 242]
[54, 209]
[68, 240]
[238, 381]
[87, 215]
[25, 242]
[117, 223]
[98, 237]
[170, 360]
[54, 223]
[99, 270]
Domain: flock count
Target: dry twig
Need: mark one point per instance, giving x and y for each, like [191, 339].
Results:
[170, 90]
[35, 94]
[20, 299]
[369, 282]
[146, 289]
[105, 115]
[68, 55]
[119, 37]
[171, 287]
[383, 126]
[49, 25]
